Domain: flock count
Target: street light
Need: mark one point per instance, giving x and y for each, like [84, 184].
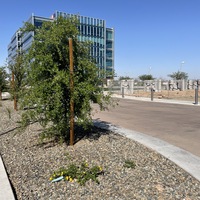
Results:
[149, 70]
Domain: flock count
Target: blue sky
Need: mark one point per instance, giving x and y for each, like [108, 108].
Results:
[151, 36]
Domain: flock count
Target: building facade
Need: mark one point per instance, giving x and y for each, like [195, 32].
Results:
[90, 29]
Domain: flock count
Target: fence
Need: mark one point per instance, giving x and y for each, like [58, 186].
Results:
[172, 89]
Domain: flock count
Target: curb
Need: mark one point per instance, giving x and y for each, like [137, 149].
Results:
[184, 159]
[6, 192]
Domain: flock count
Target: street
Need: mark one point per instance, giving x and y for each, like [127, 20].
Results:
[176, 124]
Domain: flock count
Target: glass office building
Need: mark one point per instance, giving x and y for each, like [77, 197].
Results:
[90, 29]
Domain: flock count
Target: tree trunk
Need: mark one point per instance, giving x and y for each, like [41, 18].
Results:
[15, 103]
[0, 95]
[71, 92]
[14, 90]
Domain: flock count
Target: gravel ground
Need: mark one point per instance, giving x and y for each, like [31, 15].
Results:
[29, 165]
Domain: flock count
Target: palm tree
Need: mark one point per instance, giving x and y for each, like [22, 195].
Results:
[178, 75]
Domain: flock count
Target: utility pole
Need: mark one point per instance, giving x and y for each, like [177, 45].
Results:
[71, 92]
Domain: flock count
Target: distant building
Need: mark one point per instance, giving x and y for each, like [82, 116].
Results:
[92, 29]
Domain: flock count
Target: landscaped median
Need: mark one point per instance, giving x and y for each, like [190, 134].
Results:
[123, 168]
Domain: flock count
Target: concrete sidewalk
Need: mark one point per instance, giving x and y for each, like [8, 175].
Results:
[6, 192]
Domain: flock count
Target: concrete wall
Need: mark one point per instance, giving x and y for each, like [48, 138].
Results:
[158, 85]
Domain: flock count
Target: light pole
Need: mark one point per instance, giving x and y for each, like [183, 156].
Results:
[150, 70]
[183, 62]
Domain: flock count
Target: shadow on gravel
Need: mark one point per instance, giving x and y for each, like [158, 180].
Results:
[93, 132]
[104, 125]
[8, 131]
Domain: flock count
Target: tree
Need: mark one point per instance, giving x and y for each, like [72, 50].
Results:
[47, 98]
[146, 77]
[178, 75]
[18, 75]
[3, 81]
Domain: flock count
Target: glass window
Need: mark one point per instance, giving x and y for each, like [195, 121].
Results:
[109, 54]
[103, 23]
[86, 30]
[100, 23]
[101, 61]
[37, 23]
[98, 31]
[79, 29]
[95, 31]
[109, 35]
[89, 31]
[92, 30]
[101, 53]
[108, 62]
[108, 44]
[102, 43]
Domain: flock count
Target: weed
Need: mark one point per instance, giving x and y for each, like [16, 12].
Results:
[81, 173]
[129, 164]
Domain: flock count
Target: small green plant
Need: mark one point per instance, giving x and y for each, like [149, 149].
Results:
[67, 156]
[129, 164]
[81, 173]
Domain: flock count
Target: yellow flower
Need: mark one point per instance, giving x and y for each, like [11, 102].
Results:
[67, 178]
[51, 178]
[70, 180]
[100, 168]
[86, 164]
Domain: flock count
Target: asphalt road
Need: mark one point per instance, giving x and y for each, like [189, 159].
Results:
[176, 124]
